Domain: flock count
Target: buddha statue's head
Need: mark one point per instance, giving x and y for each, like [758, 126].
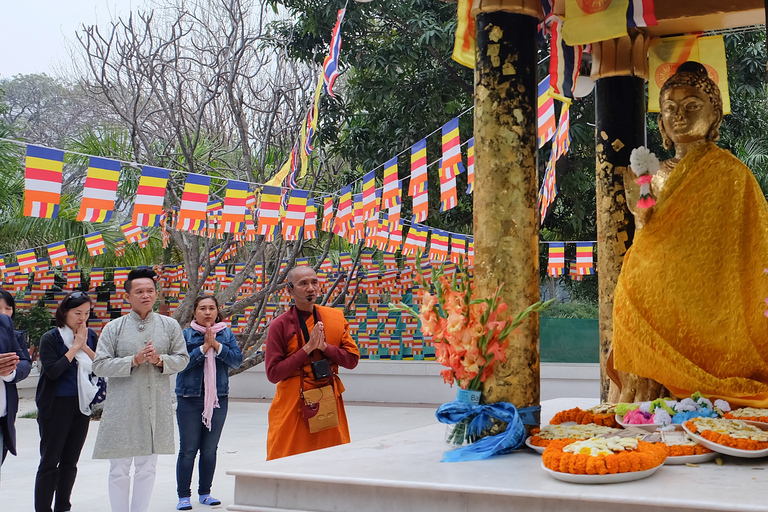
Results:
[691, 106]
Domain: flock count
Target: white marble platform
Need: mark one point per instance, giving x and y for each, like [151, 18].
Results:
[402, 472]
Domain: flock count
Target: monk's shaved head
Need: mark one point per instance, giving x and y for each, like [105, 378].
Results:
[296, 273]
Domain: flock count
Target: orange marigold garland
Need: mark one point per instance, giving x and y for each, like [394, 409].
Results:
[748, 414]
[646, 456]
[584, 417]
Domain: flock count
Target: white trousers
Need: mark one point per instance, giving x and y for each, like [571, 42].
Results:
[120, 483]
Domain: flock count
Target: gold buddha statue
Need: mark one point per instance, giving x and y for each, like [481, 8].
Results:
[689, 303]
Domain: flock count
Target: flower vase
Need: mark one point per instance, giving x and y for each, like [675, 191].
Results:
[457, 435]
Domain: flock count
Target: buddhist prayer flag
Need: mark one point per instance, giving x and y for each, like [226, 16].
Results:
[470, 166]
[548, 190]
[394, 214]
[358, 224]
[556, 264]
[294, 214]
[269, 210]
[120, 248]
[391, 189]
[57, 253]
[464, 43]
[438, 247]
[546, 113]
[369, 195]
[573, 272]
[395, 238]
[452, 147]
[590, 21]
[331, 64]
[584, 261]
[448, 197]
[563, 135]
[564, 62]
[327, 214]
[458, 247]
[310, 220]
[666, 55]
[100, 190]
[418, 183]
[148, 207]
[341, 226]
[42, 182]
[96, 278]
[27, 261]
[95, 243]
[132, 233]
[471, 251]
[194, 203]
[233, 212]
[416, 241]
[641, 13]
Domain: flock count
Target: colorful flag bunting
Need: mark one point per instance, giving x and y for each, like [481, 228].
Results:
[458, 247]
[546, 113]
[438, 247]
[470, 166]
[100, 190]
[556, 263]
[27, 261]
[391, 190]
[418, 183]
[358, 224]
[327, 214]
[464, 43]
[269, 210]
[573, 273]
[96, 278]
[57, 253]
[132, 233]
[590, 22]
[641, 13]
[194, 203]
[452, 148]
[369, 195]
[448, 197]
[331, 64]
[342, 225]
[42, 182]
[95, 243]
[564, 62]
[148, 206]
[584, 261]
[294, 214]
[310, 220]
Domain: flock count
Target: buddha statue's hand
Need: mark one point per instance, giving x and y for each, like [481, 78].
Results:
[644, 164]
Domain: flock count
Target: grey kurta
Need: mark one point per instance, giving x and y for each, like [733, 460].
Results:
[138, 413]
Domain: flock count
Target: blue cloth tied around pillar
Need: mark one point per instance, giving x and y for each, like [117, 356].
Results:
[482, 415]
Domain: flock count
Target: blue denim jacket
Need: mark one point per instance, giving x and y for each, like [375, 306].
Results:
[189, 381]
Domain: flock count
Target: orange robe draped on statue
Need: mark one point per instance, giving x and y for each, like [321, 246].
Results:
[689, 304]
[288, 432]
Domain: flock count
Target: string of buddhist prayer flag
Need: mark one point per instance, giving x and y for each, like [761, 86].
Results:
[269, 210]
[331, 63]
[546, 113]
[310, 220]
[438, 247]
[369, 195]
[100, 190]
[57, 253]
[391, 190]
[418, 182]
[470, 165]
[584, 258]
[327, 225]
[294, 214]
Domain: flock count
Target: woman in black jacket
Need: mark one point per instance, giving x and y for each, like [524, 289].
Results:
[64, 394]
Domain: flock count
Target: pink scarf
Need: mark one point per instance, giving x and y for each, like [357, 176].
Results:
[209, 374]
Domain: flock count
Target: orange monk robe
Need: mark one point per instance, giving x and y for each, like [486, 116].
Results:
[689, 304]
[288, 432]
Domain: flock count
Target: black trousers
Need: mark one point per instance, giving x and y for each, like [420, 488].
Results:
[62, 436]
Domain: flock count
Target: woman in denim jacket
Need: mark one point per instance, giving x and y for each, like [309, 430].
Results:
[202, 389]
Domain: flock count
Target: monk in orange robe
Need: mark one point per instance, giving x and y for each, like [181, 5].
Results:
[689, 303]
[288, 360]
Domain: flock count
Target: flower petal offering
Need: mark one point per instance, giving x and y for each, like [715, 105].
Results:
[663, 412]
[730, 433]
[748, 414]
[551, 433]
[603, 456]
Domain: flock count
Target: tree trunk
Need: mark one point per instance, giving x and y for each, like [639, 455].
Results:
[505, 199]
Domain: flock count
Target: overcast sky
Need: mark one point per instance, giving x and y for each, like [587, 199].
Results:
[35, 34]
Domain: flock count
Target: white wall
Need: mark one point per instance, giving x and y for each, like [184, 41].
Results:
[421, 382]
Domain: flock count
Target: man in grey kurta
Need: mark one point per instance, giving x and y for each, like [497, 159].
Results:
[137, 353]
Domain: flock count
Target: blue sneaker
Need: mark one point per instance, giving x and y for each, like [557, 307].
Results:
[184, 504]
[207, 499]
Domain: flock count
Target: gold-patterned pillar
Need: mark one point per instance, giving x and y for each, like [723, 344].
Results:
[619, 68]
[506, 224]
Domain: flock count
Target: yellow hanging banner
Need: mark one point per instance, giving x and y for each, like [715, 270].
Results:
[464, 45]
[666, 54]
[590, 21]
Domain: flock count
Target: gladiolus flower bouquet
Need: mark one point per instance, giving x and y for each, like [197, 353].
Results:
[468, 333]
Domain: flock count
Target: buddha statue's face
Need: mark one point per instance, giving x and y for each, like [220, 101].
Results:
[687, 114]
